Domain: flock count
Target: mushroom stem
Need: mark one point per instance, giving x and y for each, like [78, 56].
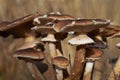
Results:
[50, 40]
[46, 70]
[88, 71]
[29, 41]
[59, 74]
[34, 71]
[52, 49]
[30, 38]
[77, 68]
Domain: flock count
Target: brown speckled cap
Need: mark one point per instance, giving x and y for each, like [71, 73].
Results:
[110, 31]
[18, 27]
[44, 29]
[49, 17]
[82, 25]
[93, 54]
[60, 62]
[29, 54]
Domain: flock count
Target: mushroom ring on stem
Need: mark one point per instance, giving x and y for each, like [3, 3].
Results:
[92, 54]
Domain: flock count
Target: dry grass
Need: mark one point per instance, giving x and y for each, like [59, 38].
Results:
[12, 9]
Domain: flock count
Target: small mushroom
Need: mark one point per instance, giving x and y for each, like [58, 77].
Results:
[21, 28]
[92, 54]
[29, 56]
[61, 63]
[80, 41]
[50, 39]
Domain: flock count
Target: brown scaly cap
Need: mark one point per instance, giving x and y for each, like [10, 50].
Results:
[93, 54]
[43, 29]
[18, 27]
[35, 45]
[50, 17]
[82, 25]
[29, 54]
[110, 31]
[60, 62]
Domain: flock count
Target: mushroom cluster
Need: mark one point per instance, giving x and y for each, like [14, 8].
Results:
[42, 50]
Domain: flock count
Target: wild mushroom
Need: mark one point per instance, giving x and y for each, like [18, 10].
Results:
[34, 58]
[80, 41]
[61, 63]
[29, 55]
[92, 54]
[50, 39]
[19, 28]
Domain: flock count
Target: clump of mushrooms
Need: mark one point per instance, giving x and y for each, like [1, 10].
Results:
[51, 28]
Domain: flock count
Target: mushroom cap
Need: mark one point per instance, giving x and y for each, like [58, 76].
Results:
[59, 24]
[60, 62]
[45, 18]
[3, 24]
[80, 40]
[82, 25]
[111, 30]
[32, 44]
[29, 54]
[118, 45]
[43, 29]
[29, 44]
[18, 27]
[49, 38]
[93, 54]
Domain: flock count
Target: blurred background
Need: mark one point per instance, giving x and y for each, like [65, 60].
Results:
[12, 69]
